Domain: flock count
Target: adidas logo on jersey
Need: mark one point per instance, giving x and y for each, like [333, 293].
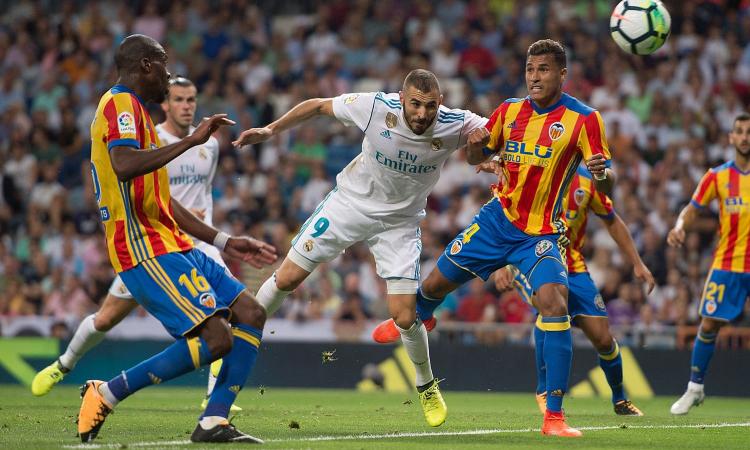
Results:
[512, 125]
[386, 134]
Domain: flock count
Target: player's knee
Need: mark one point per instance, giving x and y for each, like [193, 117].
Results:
[436, 285]
[405, 318]
[249, 312]
[287, 280]
[104, 322]
[710, 325]
[552, 300]
[217, 334]
[603, 343]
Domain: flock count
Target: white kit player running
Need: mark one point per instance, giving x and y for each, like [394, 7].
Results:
[380, 199]
[190, 177]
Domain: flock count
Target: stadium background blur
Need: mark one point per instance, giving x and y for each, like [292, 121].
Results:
[667, 118]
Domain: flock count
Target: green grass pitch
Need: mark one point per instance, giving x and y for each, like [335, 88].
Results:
[163, 417]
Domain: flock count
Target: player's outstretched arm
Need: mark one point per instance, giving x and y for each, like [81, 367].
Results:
[252, 251]
[300, 113]
[620, 233]
[129, 163]
[676, 236]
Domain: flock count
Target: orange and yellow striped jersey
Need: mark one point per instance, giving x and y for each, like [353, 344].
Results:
[582, 198]
[541, 151]
[137, 214]
[731, 187]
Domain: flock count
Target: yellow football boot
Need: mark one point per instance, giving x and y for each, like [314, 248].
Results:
[47, 378]
[435, 410]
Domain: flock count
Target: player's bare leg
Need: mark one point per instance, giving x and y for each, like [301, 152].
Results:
[703, 350]
[597, 330]
[553, 319]
[89, 333]
[431, 293]
[414, 337]
[283, 281]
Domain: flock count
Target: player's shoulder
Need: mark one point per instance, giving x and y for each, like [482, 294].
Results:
[722, 167]
[447, 115]
[387, 100]
[576, 105]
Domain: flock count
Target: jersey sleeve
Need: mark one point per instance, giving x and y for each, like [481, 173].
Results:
[471, 122]
[354, 109]
[601, 205]
[495, 126]
[706, 190]
[592, 139]
[123, 127]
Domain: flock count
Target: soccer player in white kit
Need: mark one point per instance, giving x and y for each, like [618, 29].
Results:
[190, 177]
[380, 199]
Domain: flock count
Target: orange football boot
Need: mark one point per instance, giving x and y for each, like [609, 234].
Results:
[554, 425]
[94, 409]
[386, 331]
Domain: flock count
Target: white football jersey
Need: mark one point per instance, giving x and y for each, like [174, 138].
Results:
[191, 174]
[397, 169]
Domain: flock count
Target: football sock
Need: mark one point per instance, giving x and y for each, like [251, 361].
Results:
[703, 350]
[557, 353]
[213, 372]
[541, 370]
[85, 338]
[270, 296]
[415, 342]
[611, 364]
[234, 370]
[183, 356]
[426, 306]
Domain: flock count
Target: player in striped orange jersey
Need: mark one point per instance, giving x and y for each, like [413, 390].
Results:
[728, 283]
[542, 139]
[209, 312]
[585, 304]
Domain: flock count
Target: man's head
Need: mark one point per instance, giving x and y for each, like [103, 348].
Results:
[420, 98]
[142, 61]
[180, 103]
[740, 135]
[545, 71]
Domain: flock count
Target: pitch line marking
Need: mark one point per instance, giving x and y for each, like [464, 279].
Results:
[354, 437]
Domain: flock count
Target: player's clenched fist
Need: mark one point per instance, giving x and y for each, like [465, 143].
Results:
[597, 165]
[676, 237]
[253, 136]
[478, 136]
[504, 279]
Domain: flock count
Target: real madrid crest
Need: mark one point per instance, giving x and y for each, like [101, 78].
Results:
[350, 99]
[391, 120]
[437, 144]
[202, 153]
[308, 246]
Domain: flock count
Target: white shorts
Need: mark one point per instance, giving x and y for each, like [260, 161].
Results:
[119, 290]
[336, 224]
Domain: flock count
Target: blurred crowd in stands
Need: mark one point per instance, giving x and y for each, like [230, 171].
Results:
[667, 118]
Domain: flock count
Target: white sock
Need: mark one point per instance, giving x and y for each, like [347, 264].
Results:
[85, 338]
[270, 296]
[108, 395]
[209, 422]
[695, 387]
[415, 341]
[211, 384]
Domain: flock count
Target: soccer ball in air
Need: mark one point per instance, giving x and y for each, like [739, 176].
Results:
[640, 27]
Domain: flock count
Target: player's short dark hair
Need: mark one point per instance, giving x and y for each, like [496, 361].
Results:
[549, 47]
[742, 117]
[422, 79]
[135, 47]
[179, 80]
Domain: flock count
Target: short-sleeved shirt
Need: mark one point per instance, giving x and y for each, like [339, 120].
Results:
[728, 184]
[397, 169]
[582, 198]
[137, 214]
[541, 149]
